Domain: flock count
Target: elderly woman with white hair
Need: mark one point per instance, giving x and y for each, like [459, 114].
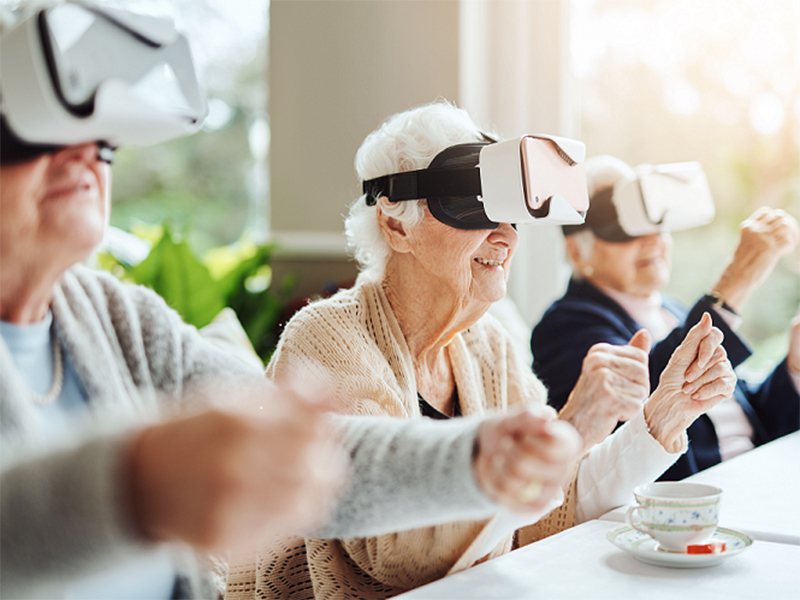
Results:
[412, 339]
[615, 291]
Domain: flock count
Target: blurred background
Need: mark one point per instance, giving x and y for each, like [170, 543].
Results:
[295, 86]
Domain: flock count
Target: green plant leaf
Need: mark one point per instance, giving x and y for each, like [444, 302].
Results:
[177, 275]
[198, 290]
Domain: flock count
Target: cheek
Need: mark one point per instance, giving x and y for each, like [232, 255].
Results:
[20, 183]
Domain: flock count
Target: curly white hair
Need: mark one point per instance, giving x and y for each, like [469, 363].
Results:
[406, 141]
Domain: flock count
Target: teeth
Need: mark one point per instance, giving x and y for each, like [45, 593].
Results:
[489, 263]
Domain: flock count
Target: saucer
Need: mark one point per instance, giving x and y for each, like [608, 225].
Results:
[645, 548]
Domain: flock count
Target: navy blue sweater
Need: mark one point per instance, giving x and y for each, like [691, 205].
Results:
[585, 316]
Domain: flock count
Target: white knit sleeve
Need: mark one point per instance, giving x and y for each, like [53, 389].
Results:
[627, 458]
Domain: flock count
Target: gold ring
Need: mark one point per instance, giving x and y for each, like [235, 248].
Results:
[530, 491]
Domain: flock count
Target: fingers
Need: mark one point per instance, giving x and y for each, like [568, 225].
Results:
[777, 229]
[713, 382]
[695, 370]
[687, 352]
[519, 449]
[217, 479]
[642, 340]
[708, 346]
[613, 385]
[630, 351]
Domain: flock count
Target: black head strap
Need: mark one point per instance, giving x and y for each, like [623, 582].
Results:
[424, 183]
[601, 219]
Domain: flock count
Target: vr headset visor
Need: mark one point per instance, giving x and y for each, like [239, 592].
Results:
[76, 73]
[528, 179]
[669, 197]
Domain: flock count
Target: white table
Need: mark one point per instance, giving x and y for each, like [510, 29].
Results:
[761, 492]
[581, 563]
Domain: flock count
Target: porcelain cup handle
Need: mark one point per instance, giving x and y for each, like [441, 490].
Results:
[629, 518]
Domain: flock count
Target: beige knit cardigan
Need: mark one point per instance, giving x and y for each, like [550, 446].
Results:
[355, 337]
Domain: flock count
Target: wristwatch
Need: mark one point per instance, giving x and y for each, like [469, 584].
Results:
[717, 300]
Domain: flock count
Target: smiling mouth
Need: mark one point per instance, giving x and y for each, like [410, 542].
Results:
[648, 262]
[489, 263]
[70, 190]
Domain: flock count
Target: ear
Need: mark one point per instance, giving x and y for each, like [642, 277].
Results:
[573, 254]
[393, 230]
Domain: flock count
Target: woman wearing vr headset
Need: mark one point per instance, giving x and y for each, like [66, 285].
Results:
[412, 339]
[620, 265]
[113, 457]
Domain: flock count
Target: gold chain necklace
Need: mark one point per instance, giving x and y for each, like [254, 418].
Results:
[58, 379]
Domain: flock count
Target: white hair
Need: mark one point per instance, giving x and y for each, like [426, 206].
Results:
[605, 171]
[406, 141]
[602, 172]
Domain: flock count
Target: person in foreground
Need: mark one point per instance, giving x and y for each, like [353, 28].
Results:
[412, 339]
[128, 440]
[615, 291]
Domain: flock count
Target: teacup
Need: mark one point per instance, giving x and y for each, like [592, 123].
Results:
[676, 514]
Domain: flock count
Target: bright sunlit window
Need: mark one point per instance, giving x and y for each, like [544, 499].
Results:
[715, 81]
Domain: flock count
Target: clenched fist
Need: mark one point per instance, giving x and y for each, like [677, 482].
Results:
[520, 449]
[613, 385]
[221, 479]
[766, 236]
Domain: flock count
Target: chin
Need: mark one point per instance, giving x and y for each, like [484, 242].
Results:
[495, 294]
[84, 237]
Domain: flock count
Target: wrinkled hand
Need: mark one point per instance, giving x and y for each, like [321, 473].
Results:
[698, 377]
[221, 479]
[613, 385]
[793, 358]
[766, 236]
[520, 448]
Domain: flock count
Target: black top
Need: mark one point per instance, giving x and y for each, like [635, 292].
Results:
[428, 411]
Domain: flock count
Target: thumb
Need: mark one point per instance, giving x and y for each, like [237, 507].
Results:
[642, 340]
[687, 351]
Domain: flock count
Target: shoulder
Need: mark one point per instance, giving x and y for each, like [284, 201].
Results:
[340, 328]
[110, 295]
[125, 304]
[582, 306]
[341, 312]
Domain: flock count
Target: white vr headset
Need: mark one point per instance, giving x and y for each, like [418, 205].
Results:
[78, 72]
[479, 185]
[668, 197]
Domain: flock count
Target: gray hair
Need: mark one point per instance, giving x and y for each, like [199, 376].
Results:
[602, 171]
[605, 171]
[406, 141]
[584, 242]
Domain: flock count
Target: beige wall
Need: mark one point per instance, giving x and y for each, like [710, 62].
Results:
[337, 69]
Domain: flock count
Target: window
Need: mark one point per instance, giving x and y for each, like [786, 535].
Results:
[215, 181]
[714, 81]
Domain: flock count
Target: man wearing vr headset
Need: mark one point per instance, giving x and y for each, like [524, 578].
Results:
[621, 261]
[111, 447]
[434, 238]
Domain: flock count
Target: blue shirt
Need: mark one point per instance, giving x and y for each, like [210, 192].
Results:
[150, 576]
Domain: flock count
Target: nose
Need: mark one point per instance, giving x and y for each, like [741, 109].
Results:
[87, 153]
[505, 234]
[652, 239]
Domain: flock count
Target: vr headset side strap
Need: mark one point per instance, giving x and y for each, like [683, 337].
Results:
[424, 183]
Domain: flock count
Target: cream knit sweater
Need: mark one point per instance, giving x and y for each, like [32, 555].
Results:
[356, 339]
